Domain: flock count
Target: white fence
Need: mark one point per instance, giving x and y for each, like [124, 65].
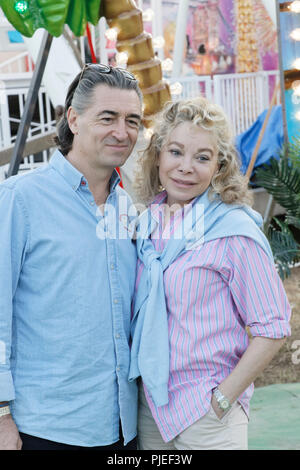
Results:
[242, 96]
[12, 102]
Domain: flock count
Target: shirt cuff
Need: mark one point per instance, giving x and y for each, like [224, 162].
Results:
[274, 330]
[7, 390]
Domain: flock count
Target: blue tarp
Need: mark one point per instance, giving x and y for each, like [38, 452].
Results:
[271, 143]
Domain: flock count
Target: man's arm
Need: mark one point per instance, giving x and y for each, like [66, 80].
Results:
[14, 229]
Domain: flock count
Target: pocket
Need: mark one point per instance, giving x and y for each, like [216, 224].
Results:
[224, 418]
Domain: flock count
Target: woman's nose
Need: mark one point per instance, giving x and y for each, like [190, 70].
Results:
[185, 166]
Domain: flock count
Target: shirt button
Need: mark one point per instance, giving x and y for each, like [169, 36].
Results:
[112, 266]
[118, 369]
[118, 336]
[116, 301]
[92, 203]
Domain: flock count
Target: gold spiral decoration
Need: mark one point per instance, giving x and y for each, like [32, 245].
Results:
[127, 20]
[247, 54]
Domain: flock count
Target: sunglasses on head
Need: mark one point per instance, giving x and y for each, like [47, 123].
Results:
[106, 69]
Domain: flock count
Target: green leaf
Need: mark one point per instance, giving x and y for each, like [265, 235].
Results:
[281, 179]
[284, 247]
[29, 15]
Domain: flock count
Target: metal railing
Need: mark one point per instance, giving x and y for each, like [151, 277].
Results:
[17, 64]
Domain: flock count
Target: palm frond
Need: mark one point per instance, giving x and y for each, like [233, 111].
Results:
[293, 152]
[281, 179]
[284, 247]
[292, 220]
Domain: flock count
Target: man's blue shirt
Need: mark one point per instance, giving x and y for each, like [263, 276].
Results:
[65, 307]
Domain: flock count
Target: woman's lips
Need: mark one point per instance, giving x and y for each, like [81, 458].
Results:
[182, 183]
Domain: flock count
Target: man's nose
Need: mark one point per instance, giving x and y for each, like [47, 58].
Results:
[120, 131]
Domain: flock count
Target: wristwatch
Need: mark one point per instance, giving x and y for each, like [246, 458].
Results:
[223, 402]
[4, 410]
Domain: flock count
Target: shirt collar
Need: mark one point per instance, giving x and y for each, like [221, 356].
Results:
[72, 175]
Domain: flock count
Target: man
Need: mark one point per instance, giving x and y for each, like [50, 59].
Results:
[65, 289]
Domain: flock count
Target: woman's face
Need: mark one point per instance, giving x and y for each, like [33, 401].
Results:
[187, 163]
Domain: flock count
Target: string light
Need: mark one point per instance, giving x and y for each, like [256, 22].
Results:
[21, 6]
[295, 34]
[296, 87]
[176, 88]
[121, 58]
[158, 42]
[148, 15]
[295, 6]
[148, 133]
[111, 34]
[296, 64]
[167, 65]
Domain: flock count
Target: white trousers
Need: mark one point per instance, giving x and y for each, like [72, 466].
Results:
[208, 433]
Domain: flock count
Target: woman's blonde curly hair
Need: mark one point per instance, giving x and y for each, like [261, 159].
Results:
[228, 182]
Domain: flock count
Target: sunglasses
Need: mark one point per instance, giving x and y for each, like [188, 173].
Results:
[106, 69]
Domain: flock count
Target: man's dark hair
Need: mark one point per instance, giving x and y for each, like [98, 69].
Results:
[80, 96]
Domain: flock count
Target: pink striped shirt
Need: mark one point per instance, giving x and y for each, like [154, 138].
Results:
[212, 293]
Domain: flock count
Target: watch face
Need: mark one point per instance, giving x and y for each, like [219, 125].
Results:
[224, 404]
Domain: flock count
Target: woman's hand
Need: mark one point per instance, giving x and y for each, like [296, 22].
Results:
[257, 356]
[214, 404]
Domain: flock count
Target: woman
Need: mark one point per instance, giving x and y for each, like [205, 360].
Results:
[206, 283]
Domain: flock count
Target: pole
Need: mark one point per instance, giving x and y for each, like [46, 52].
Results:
[180, 37]
[281, 74]
[157, 24]
[30, 104]
[262, 132]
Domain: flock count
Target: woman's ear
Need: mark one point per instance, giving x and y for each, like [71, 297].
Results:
[72, 117]
[157, 159]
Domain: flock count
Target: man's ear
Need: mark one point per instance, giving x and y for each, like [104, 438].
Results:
[72, 117]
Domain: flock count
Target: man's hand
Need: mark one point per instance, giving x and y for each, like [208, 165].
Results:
[9, 434]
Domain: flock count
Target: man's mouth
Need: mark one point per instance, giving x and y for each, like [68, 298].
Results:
[118, 146]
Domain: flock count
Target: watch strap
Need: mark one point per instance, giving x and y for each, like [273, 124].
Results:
[5, 410]
[223, 401]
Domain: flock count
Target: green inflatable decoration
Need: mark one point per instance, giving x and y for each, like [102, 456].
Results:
[29, 15]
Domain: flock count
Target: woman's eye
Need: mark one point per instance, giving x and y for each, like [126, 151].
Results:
[202, 157]
[175, 152]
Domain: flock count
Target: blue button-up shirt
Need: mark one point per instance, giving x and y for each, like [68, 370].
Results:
[65, 306]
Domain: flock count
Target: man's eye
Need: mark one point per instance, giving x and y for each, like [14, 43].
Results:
[133, 123]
